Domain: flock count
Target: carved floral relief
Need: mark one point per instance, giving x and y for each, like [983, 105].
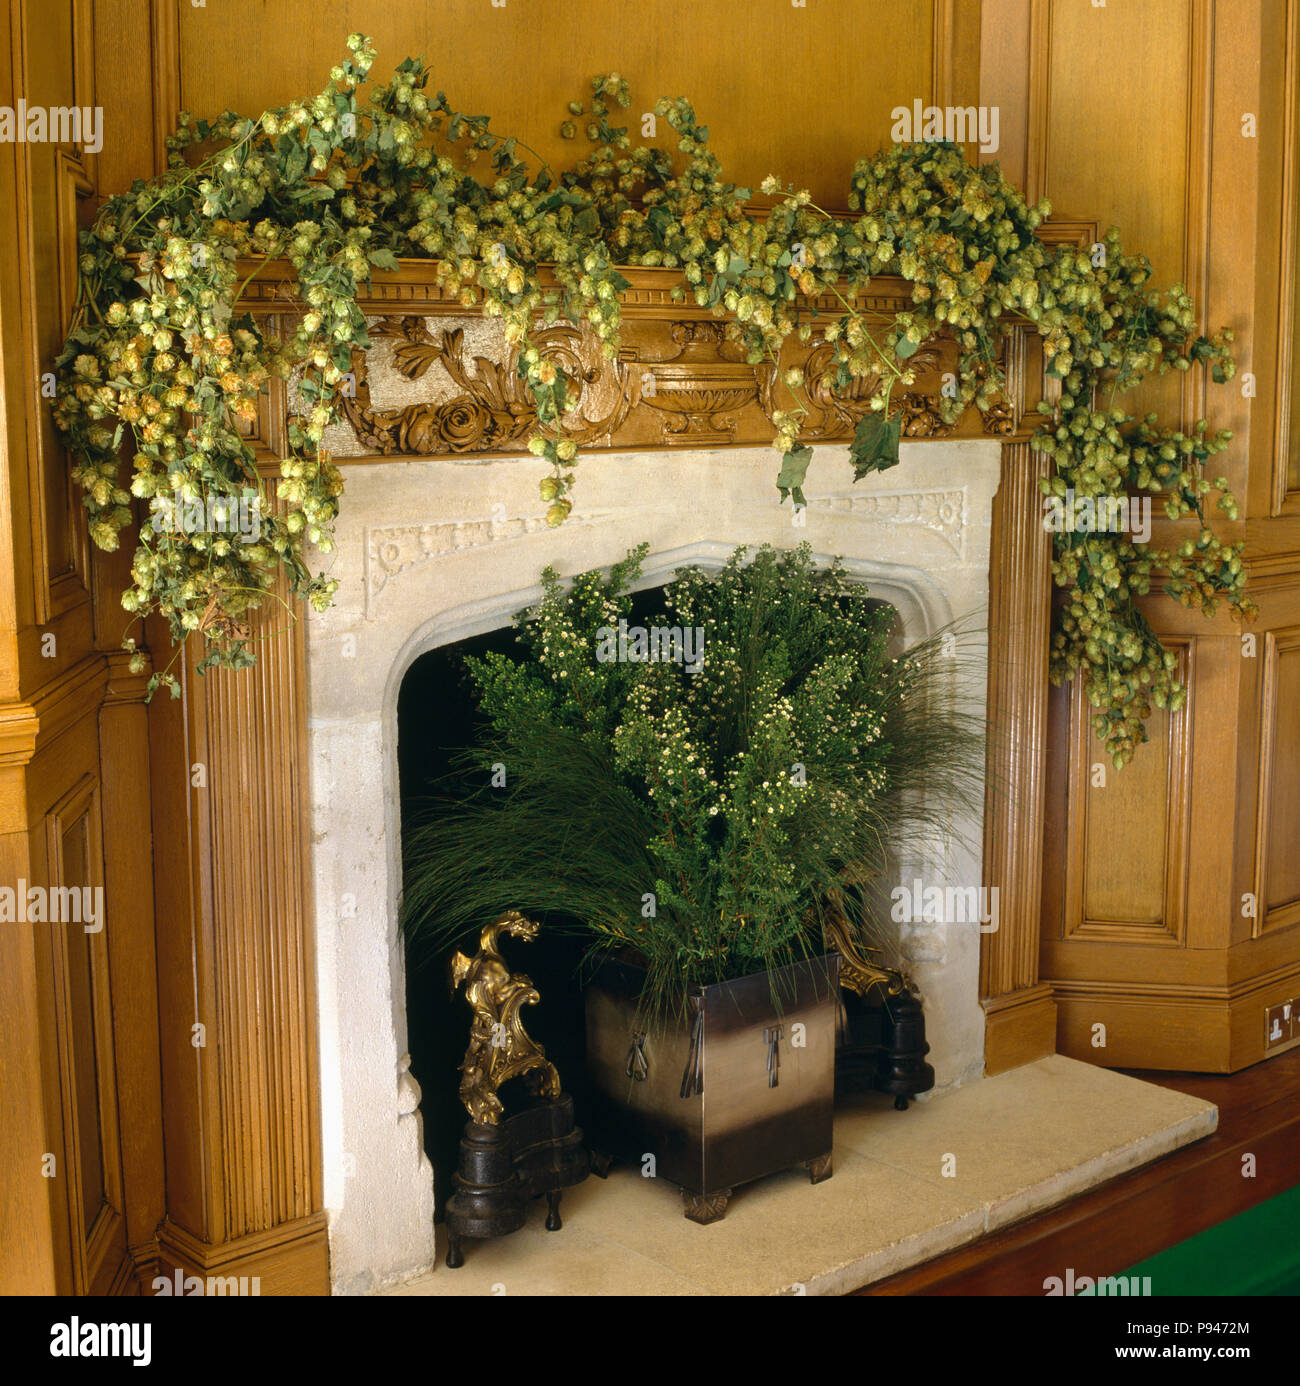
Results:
[679, 383]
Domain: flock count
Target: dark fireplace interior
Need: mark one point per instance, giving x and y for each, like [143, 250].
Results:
[436, 717]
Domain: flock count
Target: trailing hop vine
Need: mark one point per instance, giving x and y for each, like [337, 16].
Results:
[161, 365]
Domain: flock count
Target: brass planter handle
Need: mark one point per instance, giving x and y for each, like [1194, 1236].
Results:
[638, 1066]
[693, 1076]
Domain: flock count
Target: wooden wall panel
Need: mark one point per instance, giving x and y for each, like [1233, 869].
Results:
[242, 1094]
[1136, 116]
[79, 1008]
[1021, 1019]
[128, 887]
[1136, 121]
[1003, 80]
[1287, 148]
[50, 179]
[1118, 142]
[1272, 355]
[1127, 831]
[1278, 841]
[58, 177]
[802, 91]
[266, 974]
[87, 1086]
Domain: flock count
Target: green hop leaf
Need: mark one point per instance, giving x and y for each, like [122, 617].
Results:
[875, 445]
[794, 468]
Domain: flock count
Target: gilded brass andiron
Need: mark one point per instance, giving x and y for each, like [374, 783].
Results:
[499, 1046]
[882, 1024]
[506, 1160]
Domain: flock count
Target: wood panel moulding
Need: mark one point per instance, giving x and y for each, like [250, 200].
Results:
[242, 1112]
[85, 1094]
[1020, 1017]
[291, 1258]
[1285, 440]
[34, 724]
[128, 871]
[262, 945]
[49, 185]
[1194, 1029]
[1277, 817]
[1125, 877]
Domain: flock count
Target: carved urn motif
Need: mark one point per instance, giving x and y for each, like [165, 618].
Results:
[701, 385]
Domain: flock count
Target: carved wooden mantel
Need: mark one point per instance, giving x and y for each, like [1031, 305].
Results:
[244, 1110]
[676, 381]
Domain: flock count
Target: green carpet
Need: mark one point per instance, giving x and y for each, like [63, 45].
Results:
[1255, 1253]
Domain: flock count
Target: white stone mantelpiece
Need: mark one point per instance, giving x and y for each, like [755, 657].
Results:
[430, 552]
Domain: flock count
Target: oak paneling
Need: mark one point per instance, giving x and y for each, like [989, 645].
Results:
[1136, 116]
[265, 978]
[797, 90]
[1126, 847]
[1004, 66]
[1121, 136]
[1287, 483]
[50, 180]
[1021, 1019]
[81, 1037]
[1278, 860]
[1118, 149]
[91, 1157]
[128, 888]
[243, 1143]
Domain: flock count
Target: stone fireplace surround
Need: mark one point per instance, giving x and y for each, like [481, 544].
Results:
[430, 552]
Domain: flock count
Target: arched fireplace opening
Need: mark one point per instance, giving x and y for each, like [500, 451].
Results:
[436, 717]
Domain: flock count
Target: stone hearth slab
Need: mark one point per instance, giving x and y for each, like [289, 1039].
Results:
[907, 1186]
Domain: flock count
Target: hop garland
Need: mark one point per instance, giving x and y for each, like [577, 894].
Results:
[159, 357]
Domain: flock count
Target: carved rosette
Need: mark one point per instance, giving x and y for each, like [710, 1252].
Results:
[1000, 420]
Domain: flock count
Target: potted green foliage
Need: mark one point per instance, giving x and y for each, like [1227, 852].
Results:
[699, 791]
